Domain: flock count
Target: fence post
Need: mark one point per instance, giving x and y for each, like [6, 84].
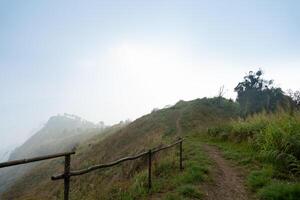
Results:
[149, 169]
[67, 177]
[180, 155]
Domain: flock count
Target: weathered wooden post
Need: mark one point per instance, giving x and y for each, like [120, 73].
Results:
[67, 176]
[149, 169]
[180, 155]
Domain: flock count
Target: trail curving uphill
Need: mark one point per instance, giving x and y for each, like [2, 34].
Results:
[227, 183]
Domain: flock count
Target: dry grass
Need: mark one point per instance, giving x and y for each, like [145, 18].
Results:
[127, 179]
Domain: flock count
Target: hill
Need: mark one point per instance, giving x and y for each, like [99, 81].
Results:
[160, 126]
[61, 129]
[60, 133]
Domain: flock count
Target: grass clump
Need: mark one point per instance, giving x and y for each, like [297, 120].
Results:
[280, 191]
[190, 191]
[259, 178]
[139, 186]
[194, 174]
[165, 167]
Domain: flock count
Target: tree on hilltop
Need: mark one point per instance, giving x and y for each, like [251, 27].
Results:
[256, 94]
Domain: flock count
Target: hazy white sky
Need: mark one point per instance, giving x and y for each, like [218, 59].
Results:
[113, 60]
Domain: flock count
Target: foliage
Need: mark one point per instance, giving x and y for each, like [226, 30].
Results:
[268, 144]
[276, 138]
[263, 178]
[295, 96]
[256, 94]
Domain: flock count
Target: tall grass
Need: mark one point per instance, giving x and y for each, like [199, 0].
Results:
[275, 137]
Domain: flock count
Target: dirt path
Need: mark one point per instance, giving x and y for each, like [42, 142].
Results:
[228, 183]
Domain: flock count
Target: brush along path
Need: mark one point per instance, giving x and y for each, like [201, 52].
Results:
[227, 184]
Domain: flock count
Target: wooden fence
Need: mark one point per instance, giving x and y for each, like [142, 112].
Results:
[35, 159]
[67, 156]
[67, 168]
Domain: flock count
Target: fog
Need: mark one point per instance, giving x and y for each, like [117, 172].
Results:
[112, 61]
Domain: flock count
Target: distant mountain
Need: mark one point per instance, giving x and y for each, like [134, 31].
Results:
[61, 133]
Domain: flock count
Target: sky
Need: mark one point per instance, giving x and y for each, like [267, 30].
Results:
[116, 60]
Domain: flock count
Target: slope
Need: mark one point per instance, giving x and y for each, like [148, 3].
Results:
[158, 127]
[60, 133]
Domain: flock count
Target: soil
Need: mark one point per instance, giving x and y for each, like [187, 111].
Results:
[228, 182]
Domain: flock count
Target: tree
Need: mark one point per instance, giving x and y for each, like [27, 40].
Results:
[256, 94]
[295, 96]
[221, 91]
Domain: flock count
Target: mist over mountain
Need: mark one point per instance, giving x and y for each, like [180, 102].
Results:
[5, 152]
[61, 133]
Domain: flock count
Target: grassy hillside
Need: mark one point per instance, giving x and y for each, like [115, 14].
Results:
[60, 133]
[127, 181]
[61, 129]
[268, 145]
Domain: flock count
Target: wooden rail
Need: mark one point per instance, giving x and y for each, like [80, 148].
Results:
[68, 173]
[35, 159]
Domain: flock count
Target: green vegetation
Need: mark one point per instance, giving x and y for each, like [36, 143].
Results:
[168, 181]
[278, 191]
[260, 178]
[256, 94]
[275, 138]
[190, 192]
[268, 145]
